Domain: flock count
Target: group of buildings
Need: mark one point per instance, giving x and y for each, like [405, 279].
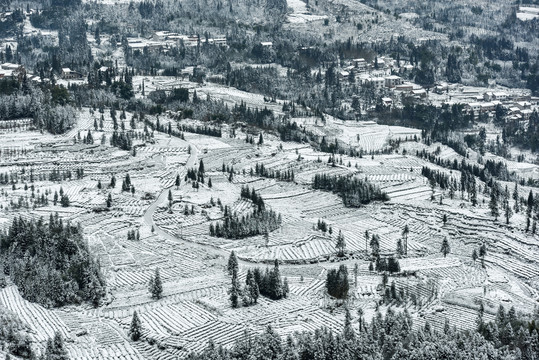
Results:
[517, 107]
[381, 74]
[162, 41]
[10, 70]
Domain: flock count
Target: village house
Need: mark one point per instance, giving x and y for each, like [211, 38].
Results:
[393, 80]
[475, 107]
[523, 105]
[68, 74]
[360, 64]
[419, 93]
[404, 87]
[134, 44]
[387, 102]
[376, 82]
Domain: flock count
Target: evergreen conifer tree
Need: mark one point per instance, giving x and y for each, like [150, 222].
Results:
[446, 249]
[135, 328]
[156, 286]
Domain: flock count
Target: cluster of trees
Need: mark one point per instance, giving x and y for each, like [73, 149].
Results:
[12, 177]
[261, 170]
[337, 283]
[53, 253]
[249, 293]
[55, 348]
[323, 226]
[440, 178]
[204, 130]
[126, 184]
[88, 139]
[390, 265]
[64, 199]
[249, 139]
[354, 192]
[260, 221]
[48, 106]
[121, 140]
[523, 134]
[57, 175]
[14, 335]
[250, 194]
[133, 235]
[386, 337]
[257, 282]
[196, 175]
[235, 227]
[510, 331]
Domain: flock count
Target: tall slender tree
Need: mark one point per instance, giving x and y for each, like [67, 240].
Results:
[446, 249]
[405, 233]
[341, 244]
[135, 330]
[156, 285]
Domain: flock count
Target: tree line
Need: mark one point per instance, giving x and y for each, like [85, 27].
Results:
[386, 337]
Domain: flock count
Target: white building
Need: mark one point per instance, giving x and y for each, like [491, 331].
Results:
[393, 80]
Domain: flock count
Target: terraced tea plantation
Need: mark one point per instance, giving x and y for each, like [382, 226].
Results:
[156, 208]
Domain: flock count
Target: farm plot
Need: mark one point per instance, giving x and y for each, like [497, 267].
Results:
[462, 317]
[43, 322]
[171, 320]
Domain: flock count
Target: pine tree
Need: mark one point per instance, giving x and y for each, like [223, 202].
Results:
[348, 332]
[201, 167]
[341, 244]
[375, 246]
[508, 212]
[135, 328]
[235, 289]
[474, 255]
[480, 320]
[400, 249]
[178, 181]
[493, 204]
[156, 286]
[275, 286]
[445, 247]
[405, 233]
[360, 319]
[232, 263]
[473, 193]
[286, 288]
[97, 36]
[253, 287]
[530, 204]
[516, 198]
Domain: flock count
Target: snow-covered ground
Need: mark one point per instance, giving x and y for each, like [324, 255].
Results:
[300, 14]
